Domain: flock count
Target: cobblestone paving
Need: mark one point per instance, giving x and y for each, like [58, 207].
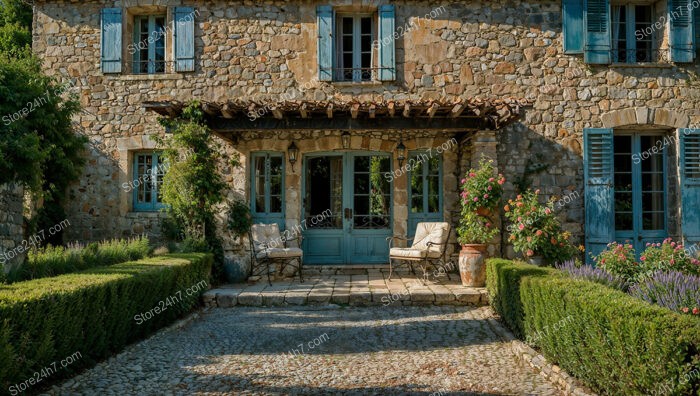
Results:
[437, 350]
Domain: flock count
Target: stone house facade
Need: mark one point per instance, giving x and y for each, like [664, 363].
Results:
[565, 96]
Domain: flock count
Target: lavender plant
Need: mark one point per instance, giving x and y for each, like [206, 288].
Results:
[593, 274]
[671, 289]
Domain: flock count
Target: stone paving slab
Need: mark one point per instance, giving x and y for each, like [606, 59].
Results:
[351, 287]
[436, 350]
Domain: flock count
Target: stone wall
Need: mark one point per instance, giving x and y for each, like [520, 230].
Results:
[11, 226]
[248, 50]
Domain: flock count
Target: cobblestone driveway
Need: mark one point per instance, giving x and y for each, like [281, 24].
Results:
[317, 350]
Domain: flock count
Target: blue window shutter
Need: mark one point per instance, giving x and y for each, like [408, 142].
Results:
[325, 42]
[690, 184]
[386, 40]
[681, 35]
[572, 19]
[597, 37]
[111, 45]
[599, 191]
[184, 39]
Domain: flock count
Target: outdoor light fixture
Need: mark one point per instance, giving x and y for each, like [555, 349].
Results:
[293, 152]
[401, 152]
[346, 139]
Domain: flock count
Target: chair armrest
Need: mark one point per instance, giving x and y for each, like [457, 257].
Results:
[299, 238]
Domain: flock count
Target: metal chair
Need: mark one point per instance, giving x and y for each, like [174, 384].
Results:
[429, 246]
[268, 246]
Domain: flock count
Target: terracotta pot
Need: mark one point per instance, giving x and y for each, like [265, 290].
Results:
[472, 265]
[486, 212]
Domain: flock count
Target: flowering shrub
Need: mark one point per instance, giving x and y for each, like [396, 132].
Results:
[593, 274]
[619, 260]
[475, 229]
[480, 189]
[668, 255]
[671, 289]
[535, 230]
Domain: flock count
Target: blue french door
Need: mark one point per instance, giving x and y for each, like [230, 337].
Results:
[347, 208]
[640, 189]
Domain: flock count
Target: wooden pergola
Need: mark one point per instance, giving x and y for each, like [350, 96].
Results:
[462, 115]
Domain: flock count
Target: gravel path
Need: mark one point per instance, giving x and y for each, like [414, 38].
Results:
[318, 350]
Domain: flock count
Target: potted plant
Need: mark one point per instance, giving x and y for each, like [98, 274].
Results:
[474, 231]
[535, 230]
[481, 192]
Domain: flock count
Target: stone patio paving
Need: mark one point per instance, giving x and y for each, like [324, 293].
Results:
[319, 350]
[347, 286]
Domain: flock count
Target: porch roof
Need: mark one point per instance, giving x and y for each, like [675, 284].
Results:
[463, 114]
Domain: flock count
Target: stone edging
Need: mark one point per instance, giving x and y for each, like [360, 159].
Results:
[553, 373]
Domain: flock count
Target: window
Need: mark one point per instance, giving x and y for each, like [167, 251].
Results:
[149, 44]
[425, 189]
[149, 169]
[354, 48]
[267, 188]
[632, 33]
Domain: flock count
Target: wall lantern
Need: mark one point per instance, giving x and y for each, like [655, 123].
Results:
[401, 153]
[346, 139]
[293, 152]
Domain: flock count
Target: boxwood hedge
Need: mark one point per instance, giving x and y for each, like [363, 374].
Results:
[92, 312]
[614, 343]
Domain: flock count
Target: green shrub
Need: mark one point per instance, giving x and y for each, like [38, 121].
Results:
[613, 342]
[93, 312]
[56, 260]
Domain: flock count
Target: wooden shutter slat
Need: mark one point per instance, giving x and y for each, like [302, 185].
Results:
[599, 192]
[325, 16]
[111, 40]
[681, 32]
[597, 37]
[387, 47]
[184, 39]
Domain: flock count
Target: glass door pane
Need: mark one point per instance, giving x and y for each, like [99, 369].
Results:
[653, 184]
[372, 192]
[624, 210]
[324, 190]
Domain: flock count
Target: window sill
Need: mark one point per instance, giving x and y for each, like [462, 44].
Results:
[145, 213]
[653, 65]
[357, 83]
[146, 77]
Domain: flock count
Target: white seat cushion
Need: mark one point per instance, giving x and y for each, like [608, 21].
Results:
[408, 253]
[431, 232]
[280, 253]
[266, 236]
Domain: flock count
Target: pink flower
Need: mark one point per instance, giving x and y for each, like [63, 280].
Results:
[491, 180]
[488, 224]
[520, 219]
[685, 309]
[672, 244]
[490, 188]
[538, 233]
[643, 258]
[521, 227]
[464, 181]
[472, 174]
[476, 199]
[501, 181]
[486, 196]
[547, 211]
[696, 311]
[530, 253]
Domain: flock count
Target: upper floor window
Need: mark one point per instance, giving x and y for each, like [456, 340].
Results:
[632, 33]
[606, 31]
[149, 44]
[149, 169]
[148, 36]
[354, 48]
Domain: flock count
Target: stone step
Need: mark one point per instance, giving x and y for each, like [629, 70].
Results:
[283, 294]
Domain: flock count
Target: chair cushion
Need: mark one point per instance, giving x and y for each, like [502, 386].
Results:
[408, 253]
[266, 236]
[431, 232]
[280, 253]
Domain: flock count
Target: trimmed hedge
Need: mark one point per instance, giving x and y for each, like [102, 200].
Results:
[92, 312]
[614, 343]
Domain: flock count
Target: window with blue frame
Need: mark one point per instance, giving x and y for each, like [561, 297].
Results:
[267, 188]
[149, 44]
[149, 169]
[425, 189]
